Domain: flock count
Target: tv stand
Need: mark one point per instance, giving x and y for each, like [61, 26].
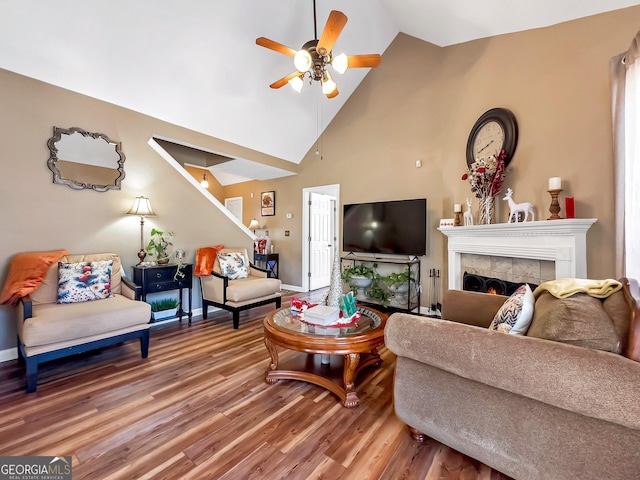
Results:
[383, 292]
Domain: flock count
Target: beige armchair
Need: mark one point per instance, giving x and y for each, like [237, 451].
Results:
[236, 295]
[48, 330]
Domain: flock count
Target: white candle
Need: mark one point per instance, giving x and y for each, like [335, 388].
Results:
[457, 207]
[555, 183]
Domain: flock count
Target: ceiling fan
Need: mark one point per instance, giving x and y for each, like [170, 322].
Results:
[315, 56]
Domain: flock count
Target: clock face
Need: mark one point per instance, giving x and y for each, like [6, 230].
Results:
[489, 140]
[495, 130]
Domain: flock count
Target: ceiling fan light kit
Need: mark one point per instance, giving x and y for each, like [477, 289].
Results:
[315, 55]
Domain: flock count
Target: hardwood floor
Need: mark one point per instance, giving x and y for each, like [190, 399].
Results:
[199, 407]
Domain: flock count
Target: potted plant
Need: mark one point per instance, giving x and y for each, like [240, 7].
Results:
[376, 292]
[165, 308]
[398, 283]
[358, 276]
[160, 246]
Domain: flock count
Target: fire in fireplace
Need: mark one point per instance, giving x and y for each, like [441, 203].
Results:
[495, 286]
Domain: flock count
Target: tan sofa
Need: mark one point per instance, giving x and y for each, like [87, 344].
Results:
[240, 294]
[532, 408]
[48, 330]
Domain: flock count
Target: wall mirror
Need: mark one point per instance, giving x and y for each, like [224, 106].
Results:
[81, 159]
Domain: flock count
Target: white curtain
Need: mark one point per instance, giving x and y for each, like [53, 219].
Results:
[626, 124]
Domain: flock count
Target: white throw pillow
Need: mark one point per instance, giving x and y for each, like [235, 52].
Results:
[84, 281]
[516, 313]
[232, 265]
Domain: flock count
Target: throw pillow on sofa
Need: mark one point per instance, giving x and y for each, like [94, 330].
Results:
[579, 320]
[84, 281]
[514, 317]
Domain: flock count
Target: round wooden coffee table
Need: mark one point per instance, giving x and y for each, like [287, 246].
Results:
[334, 356]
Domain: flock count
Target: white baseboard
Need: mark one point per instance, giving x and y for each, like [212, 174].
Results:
[8, 354]
[293, 288]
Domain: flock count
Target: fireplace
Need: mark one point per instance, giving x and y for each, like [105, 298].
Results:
[479, 283]
[561, 246]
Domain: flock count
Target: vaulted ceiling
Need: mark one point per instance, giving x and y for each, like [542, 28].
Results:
[195, 63]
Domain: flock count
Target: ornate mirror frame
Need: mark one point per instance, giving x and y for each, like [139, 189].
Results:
[90, 171]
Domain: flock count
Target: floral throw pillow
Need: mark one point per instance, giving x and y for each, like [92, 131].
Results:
[516, 313]
[84, 281]
[232, 265]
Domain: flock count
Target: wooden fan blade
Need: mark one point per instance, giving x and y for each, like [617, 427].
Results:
[333, 94]
[278, 47]
[335, 23]
[363, 61]
[283, 81]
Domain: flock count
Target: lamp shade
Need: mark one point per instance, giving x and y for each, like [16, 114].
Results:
[296, 83]
[253, 224]
[142, 207]
[340, 63]
[302, 60]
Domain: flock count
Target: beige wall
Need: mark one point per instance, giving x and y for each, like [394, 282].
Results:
[38, 215]
[419, 104]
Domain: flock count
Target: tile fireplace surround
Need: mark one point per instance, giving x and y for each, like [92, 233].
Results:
[562, 242]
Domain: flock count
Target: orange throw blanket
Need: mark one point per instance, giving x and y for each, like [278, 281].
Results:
[26, 273]
[205, 258]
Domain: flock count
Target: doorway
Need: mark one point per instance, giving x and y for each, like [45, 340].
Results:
[320, 234]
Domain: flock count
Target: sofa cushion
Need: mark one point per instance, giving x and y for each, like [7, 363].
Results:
[252, 287]
[620, 314]
[47, 292]
[233, 265]
[53, 323]
[514, 317]
[84, 281]
[579, 320]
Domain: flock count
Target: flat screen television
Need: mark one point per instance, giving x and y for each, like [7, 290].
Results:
[397, 227]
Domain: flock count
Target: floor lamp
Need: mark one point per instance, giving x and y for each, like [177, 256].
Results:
[142, 207]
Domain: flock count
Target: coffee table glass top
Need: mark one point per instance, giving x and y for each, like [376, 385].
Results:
[369, 320]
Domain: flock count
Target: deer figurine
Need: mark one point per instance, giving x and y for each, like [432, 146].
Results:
[468, 216]
[514, 208]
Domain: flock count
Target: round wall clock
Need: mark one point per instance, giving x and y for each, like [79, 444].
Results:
[495, 130]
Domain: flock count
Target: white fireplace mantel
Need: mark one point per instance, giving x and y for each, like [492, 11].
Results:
[562, 241]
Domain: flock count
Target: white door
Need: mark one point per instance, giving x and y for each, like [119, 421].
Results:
[234, 205]
[321, 239]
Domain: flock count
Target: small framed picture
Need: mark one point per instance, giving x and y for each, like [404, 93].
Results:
[268, 204]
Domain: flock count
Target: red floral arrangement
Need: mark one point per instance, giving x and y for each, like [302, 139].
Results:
[486, 175]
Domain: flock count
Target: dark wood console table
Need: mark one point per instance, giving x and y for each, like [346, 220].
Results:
[162, 278]
[268, 261]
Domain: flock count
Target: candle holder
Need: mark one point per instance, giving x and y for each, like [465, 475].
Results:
[457, 222]
[555, 205]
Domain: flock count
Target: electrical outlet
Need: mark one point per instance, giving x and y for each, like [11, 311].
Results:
[418, 163]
